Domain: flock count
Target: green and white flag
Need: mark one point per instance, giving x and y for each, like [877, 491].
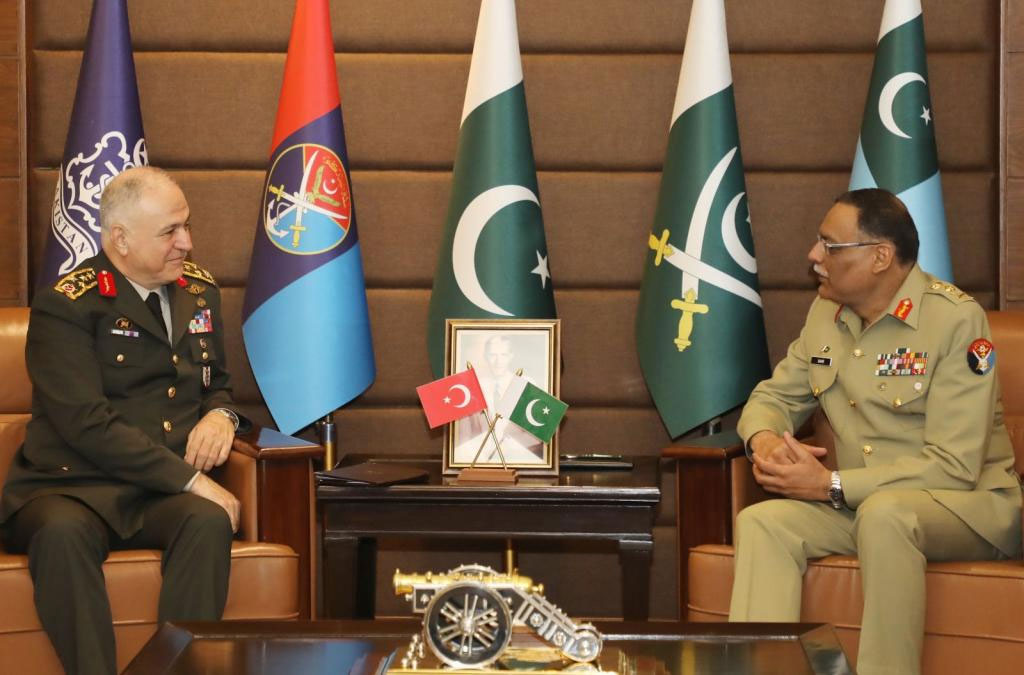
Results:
[494, 258]
[896, 149]
[700, 327]
[531, 408]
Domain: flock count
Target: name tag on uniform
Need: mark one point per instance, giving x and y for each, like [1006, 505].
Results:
[821, 361]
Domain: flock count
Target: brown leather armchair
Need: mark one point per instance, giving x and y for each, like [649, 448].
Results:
[265, 577]
[973, 621]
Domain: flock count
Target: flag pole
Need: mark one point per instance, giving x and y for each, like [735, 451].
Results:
[328, 439]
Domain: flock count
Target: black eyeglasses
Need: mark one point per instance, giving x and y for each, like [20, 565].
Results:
[830, 247]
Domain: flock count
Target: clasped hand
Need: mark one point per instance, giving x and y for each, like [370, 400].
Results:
[787, 467]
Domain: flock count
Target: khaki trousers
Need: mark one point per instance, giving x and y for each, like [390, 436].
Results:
[893, 534]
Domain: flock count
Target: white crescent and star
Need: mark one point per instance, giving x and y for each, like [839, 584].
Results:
[465, 393]
[467, 233]
[888, 96]
[529, 413]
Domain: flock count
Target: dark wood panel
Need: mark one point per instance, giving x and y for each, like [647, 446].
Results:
[795, 111]
[1013, 280]
[1014, 96]
[10, 98]
[1013, 25]
[448, 25]
[10, 27]
[12, 273]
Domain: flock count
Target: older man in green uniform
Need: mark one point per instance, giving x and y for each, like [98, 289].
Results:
[131, 405]
[902, 365]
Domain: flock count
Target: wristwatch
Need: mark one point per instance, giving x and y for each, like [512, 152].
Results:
[230, 414]
[835, 492]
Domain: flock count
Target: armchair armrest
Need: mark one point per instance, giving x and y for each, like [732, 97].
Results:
[272, 475]
[713, 483]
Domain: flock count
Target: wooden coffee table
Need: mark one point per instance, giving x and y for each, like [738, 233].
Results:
[366, 647]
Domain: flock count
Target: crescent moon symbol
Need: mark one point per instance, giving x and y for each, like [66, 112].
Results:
[732, 240]
[471, 224]
[885, 100]
[465, 393]
[529, 413]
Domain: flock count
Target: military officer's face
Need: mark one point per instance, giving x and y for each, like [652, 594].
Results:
[157, 237]
[844, 275]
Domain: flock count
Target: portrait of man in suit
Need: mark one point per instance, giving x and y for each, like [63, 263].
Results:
[498, 357]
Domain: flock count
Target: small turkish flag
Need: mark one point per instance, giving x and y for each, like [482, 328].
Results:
[451, 398]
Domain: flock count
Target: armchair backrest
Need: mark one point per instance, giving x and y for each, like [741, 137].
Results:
[15, 387]
[1008, 337]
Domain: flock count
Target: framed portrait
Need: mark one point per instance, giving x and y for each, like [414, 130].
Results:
[498, 349]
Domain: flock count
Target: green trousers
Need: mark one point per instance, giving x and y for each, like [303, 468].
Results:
[67, 543]
[893, 534]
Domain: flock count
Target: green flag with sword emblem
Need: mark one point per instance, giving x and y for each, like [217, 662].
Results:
[700, 327]
[494, 260]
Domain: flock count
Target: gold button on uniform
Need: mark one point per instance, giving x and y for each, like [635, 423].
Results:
[202, 342]
[918, 386]
[882, 386]
[167, 426]
[174, 359]
[853, 404]
[171, 391]
[817, 391]
[867, 449]
[120, 358]
[201, 302]
[858, 352]
[206, 355]
[896, 403]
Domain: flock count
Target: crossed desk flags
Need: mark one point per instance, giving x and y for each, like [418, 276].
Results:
[523, 403]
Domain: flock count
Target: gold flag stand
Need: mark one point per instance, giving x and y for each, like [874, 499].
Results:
[488, 474]
[328, 439]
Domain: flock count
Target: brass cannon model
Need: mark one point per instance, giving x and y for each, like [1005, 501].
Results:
[469, 614]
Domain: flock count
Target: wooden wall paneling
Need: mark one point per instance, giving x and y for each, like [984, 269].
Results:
[13, 254]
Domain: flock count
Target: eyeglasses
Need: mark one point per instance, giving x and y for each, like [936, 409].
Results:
[831, 247]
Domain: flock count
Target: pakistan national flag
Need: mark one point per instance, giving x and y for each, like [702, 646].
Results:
[700, 328]
[494, 259]
[896, 150]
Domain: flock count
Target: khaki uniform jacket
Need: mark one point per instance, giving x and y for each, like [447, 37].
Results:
[937, 428]
[113, 400]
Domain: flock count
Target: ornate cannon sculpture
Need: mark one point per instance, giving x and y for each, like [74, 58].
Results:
[469, 614]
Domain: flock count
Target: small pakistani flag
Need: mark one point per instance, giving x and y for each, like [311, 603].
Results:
[896, 150]
[494, 259]
[530, 407]
[700, 327]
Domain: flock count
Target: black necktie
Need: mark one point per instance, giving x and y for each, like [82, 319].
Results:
[153, 302]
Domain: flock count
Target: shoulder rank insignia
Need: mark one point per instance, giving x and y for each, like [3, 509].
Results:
[191, 269]
[949, 291]
[195, 289]
[981, 356]
[75, 285]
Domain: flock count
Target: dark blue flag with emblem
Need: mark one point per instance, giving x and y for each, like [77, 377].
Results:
[305, 320]
[896, 150]
[104, 138]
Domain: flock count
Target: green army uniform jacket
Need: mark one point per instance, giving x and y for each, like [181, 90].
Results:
[113, 401]
[913, 400]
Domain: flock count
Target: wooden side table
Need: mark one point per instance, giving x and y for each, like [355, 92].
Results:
[614, 506]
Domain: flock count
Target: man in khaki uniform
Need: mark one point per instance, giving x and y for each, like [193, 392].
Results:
[903, 367]
[131, 405]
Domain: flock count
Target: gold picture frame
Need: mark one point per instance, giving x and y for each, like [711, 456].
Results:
[497, 349]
